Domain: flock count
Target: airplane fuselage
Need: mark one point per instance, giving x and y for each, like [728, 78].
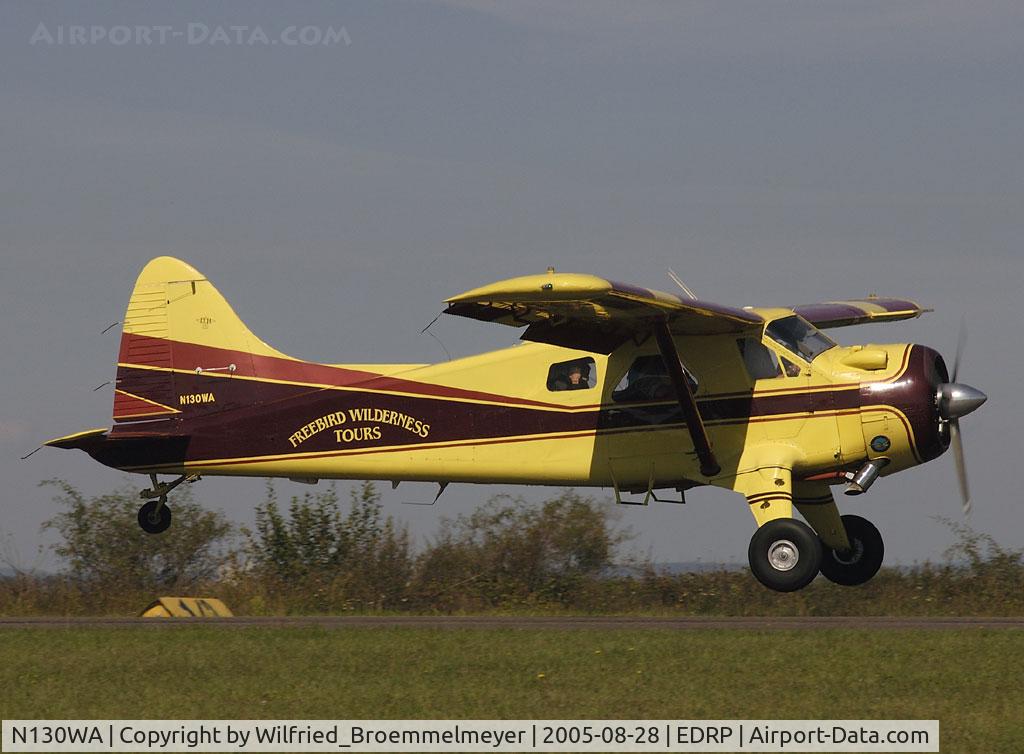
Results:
[281, 417]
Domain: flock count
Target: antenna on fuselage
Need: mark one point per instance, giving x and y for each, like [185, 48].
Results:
[682, 286]
[427, 331]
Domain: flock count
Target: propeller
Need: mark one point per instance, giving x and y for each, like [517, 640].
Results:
[956, 440]
[956, 400]
[961, 341]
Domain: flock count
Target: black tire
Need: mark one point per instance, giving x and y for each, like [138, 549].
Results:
[785, 554]
[153, 521]
[864, 559]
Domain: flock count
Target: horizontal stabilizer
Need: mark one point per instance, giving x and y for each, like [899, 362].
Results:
[78, 440]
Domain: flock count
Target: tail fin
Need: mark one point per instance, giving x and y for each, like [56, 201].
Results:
[177, 332]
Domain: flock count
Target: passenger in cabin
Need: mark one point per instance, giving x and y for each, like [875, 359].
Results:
[576, 379]
[574, 375]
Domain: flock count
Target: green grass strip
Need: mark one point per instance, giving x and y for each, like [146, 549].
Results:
[968, 679]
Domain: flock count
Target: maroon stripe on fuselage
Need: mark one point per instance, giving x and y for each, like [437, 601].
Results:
[189, 356]
[126, 406]
[274, 419]
[274, 425]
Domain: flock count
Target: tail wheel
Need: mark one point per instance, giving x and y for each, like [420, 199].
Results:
[154, 517]
[862, 561]
[785, 554]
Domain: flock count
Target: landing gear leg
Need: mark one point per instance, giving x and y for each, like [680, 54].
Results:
[155, 516]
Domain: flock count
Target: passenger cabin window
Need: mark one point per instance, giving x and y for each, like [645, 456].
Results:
[648, 380]
[799, 336]
[578, 374]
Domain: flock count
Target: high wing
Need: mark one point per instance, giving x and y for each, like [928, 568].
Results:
[858, 312]
[594, 314]
[591, 313]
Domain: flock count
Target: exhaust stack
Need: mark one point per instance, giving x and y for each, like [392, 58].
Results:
[867, 474]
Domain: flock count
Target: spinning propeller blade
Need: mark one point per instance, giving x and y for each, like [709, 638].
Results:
[961, 341]
[961, 466]
[956, 400]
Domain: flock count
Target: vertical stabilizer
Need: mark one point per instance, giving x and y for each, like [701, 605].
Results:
[180, 338]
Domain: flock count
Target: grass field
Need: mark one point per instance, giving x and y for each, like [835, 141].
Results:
[968, 679]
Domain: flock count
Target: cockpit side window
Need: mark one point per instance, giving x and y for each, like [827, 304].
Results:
[648, 380]
[799, 336]
[578, 374]
[763, 363]
[791, 369]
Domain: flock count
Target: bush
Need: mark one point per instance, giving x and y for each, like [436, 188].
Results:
[509, 552]
[108, 557]
[327, 559]
[508, 555]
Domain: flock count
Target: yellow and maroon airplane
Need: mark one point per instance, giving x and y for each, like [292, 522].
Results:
[616, 386]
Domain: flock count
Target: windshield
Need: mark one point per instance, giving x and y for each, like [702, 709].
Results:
[799, 336]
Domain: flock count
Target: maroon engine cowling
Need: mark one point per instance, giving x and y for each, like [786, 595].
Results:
[915, 395]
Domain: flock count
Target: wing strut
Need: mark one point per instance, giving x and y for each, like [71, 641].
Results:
[694, 424]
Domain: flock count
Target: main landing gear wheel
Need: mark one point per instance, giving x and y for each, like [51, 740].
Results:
[863, 560]
[155, 517]
[785, 554]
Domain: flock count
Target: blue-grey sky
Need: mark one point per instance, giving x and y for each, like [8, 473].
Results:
[770, 152]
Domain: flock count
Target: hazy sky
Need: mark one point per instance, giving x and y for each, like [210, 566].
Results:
[770, 152]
